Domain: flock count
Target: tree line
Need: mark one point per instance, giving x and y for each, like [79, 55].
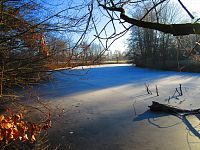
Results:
[155, 49]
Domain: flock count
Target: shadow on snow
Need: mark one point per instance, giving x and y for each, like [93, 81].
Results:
[74, 81]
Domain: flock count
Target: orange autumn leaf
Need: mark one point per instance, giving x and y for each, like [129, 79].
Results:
[1, 118]
[25, 137]
[33, 139]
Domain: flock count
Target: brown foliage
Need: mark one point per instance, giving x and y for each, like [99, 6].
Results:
[14, 127]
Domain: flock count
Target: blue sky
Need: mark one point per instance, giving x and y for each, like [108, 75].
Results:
[192, 6]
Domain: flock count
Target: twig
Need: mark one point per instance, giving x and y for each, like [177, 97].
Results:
[14, 96]
[147, 88]
[181, 90]
[183, 6]
[157, 90]
[134, 108]
[168, 99]
[1, 87]
[178, 92]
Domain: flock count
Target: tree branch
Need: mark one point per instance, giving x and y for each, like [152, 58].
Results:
[175, 29]
[183, 6]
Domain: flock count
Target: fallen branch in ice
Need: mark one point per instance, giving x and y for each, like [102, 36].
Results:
[180, 113]
[171, 109]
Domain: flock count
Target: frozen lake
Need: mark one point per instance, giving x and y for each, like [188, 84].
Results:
[106, 108]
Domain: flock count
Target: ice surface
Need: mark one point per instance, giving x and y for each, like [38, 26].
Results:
[106, 108]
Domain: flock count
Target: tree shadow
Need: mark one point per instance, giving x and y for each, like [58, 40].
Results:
[79, 81]
[151, 116]
[190, 127]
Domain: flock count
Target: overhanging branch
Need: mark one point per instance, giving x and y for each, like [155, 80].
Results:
[175, 29]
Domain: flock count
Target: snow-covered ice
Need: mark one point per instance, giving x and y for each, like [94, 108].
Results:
[107, 108]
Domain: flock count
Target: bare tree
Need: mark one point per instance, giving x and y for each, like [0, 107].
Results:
[150, 46]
